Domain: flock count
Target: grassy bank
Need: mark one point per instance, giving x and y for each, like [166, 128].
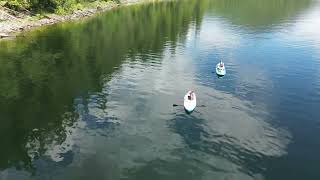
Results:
[28, 14]
[22, 15]
[49, 6]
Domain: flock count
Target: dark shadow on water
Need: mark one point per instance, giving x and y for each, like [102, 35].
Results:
[219, 76]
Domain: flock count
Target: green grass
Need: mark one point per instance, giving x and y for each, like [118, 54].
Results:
[50, 6]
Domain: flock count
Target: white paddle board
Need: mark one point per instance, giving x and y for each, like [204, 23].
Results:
[220, 69]
[190, 101]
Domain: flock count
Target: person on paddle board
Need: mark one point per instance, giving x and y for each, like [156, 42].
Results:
[221, 64]
[190, 95]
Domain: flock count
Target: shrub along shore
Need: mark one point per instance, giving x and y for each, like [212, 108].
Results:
[22, 15]
[51, 6]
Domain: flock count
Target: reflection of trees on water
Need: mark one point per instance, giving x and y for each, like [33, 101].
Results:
[258, 14]
[43, 73]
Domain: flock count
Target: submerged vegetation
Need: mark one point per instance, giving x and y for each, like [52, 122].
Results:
[57, 6]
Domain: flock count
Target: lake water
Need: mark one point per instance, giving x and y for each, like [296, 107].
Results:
[93, 99]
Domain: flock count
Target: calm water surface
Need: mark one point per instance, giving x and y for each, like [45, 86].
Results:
[93, 99]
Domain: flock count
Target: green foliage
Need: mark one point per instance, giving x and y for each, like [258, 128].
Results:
[59, 6]
[17, 5]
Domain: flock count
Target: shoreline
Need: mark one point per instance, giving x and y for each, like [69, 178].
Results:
[12, 27]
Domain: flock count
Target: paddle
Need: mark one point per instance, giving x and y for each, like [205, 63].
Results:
[175, 105]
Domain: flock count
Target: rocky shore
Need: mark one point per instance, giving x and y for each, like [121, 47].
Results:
[10, 25]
